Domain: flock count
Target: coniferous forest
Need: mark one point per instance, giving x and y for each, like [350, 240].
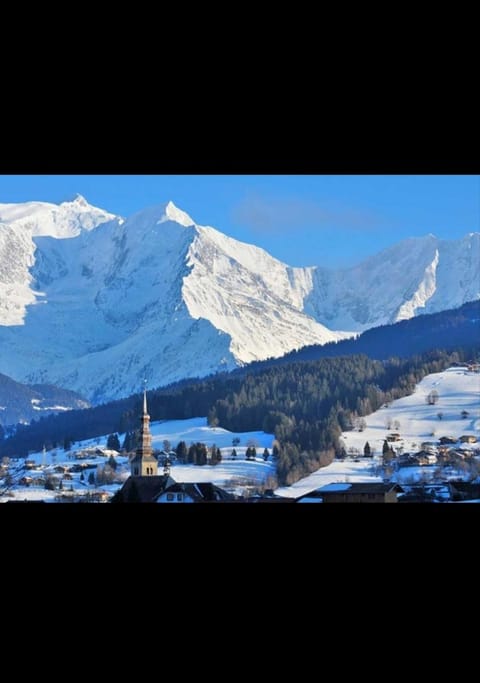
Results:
[305, 405]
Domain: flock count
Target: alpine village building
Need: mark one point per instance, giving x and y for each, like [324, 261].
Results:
[145, 485]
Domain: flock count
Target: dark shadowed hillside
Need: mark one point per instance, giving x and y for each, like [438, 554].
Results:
[445, 330]
[23, 402]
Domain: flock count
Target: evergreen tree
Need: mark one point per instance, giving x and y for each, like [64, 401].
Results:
[367, 451]
[50, 483]
[201, 454]
[213, 455]
[113, 442]
[191, 456]
[112, 463]
[91, 479]
[181, 451]
[385, 447]
[266, 454]
[388, 455]
[130, 442]
[234, 453]
[127, 442]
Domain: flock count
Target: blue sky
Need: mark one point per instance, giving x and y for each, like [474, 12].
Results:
[331, 220]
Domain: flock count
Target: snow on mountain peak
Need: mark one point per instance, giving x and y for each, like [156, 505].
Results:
[157, 214]
[173, 213]
[20, 227]
[67, 219]
[77, 199]
[159, 296]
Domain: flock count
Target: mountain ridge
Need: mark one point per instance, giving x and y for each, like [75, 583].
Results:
[97, 302]
[20, 403]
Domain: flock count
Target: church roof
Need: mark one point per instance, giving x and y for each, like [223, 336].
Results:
[142, 489]
[200, 492]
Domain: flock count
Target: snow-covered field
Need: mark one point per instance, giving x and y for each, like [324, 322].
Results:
[197, 429]
[458, 390]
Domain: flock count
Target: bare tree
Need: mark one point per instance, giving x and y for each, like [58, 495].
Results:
[362, 424]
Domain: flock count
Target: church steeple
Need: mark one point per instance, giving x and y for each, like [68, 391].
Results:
[144, 464]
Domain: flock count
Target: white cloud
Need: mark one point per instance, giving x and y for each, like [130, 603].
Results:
[283, 214]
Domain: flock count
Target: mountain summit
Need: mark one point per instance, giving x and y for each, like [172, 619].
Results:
[95, 303]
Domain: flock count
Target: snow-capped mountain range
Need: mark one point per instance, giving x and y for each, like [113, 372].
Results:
[94, 302]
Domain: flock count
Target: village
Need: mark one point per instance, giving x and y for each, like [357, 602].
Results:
[423, 448]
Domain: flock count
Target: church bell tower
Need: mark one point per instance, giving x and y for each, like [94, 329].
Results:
[144, 463]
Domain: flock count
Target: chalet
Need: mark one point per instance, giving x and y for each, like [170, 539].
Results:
[83, 455]
[463, 453]
[424, 458]
[428, 446]
[394, 436]
[444, 440]
[60, 469]
[359, 492]
[79, 468]
[468, 438]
